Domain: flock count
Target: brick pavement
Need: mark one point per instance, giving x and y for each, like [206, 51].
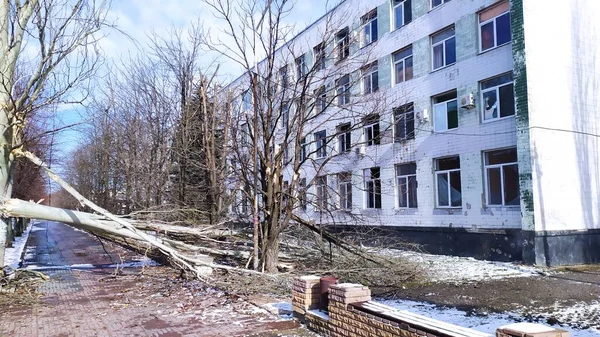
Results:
[93, 302]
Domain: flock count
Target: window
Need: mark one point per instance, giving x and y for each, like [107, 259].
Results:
[344, 138]
[502, 178]
[404, 122]
[321, 186]
[497, 97]
[284, 77]
[406, 183]
[300, 67]
[343, 90]
[303, 149]
[302, 194]
[445, 112]
[443, 48]
[244, 133]
[285, 114]
[435, 3]
[373, 187]
[402, 12]
[342, 44]
[247, 101]
[370, 78]
[321, 140]
[403, 65]
[447, 182]
[286, 153]
[320, 99]
[369, 30]
[494, 27]
[345, 190]
[244, 199]
[371, 129]
[319, 52]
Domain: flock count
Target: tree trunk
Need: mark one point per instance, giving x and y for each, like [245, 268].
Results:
[271, 254]
[6, 168]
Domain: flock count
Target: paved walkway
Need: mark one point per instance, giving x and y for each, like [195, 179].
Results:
[84, 298]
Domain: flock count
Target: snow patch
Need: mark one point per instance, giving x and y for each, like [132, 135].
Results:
[454, 269]
[12, 256]
[487, 323]
[319, 313]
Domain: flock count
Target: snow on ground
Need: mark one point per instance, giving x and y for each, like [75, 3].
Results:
[454, 269]
[12, 256]
[581, 315]
[484, 323]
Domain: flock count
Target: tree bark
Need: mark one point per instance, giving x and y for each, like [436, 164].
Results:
[271, 254]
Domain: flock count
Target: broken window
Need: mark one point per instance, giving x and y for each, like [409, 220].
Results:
[445, 112]
[497, 97]
[494, 26]
[447, 181]
[344, 138]
[404, 122]
[406, 183]
[502, 177]
[342, 44]
[321, 141]
[373, 187]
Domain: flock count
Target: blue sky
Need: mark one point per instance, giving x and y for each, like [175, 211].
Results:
[139, 18]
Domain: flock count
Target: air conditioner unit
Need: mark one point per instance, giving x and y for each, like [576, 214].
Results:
[467, 101]
[423, 116]
[360, 150]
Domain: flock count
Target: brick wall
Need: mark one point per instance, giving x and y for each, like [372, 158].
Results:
[351, 313]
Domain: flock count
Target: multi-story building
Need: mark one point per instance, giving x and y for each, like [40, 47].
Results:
[485, 139]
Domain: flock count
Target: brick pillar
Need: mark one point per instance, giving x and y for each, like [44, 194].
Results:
[530, 330]
[346, 293]
[306, 293]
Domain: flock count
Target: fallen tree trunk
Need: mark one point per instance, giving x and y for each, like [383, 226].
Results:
[113, 225]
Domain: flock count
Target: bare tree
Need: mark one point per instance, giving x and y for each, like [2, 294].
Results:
[62, 34]
[285, 100]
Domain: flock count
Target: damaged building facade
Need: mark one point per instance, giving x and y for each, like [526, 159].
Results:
[485, 142]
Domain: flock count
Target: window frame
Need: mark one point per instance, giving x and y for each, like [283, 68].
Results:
[493, 19]
[404, 110]
[370, 77]
[345, 190]
[343, 96]
[301, 68]
[435, 126]
[431, 6]
[320, 139]
[319, 56]
[302, 198]
[395, 19]
[449, 190]
[342, 44]
[403, 61]
[320, 99]
[369, 20]
[443, 44]
[487, 166]
[498, 101]
[321, 193]
[304, 149]
[372, 123]
[406, 177]
[375, 192]
[344, 138]
[284, 76]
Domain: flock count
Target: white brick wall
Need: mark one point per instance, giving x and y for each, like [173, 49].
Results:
[468, 141]
[563, 70]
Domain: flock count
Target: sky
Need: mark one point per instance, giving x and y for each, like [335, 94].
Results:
[139, 18]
